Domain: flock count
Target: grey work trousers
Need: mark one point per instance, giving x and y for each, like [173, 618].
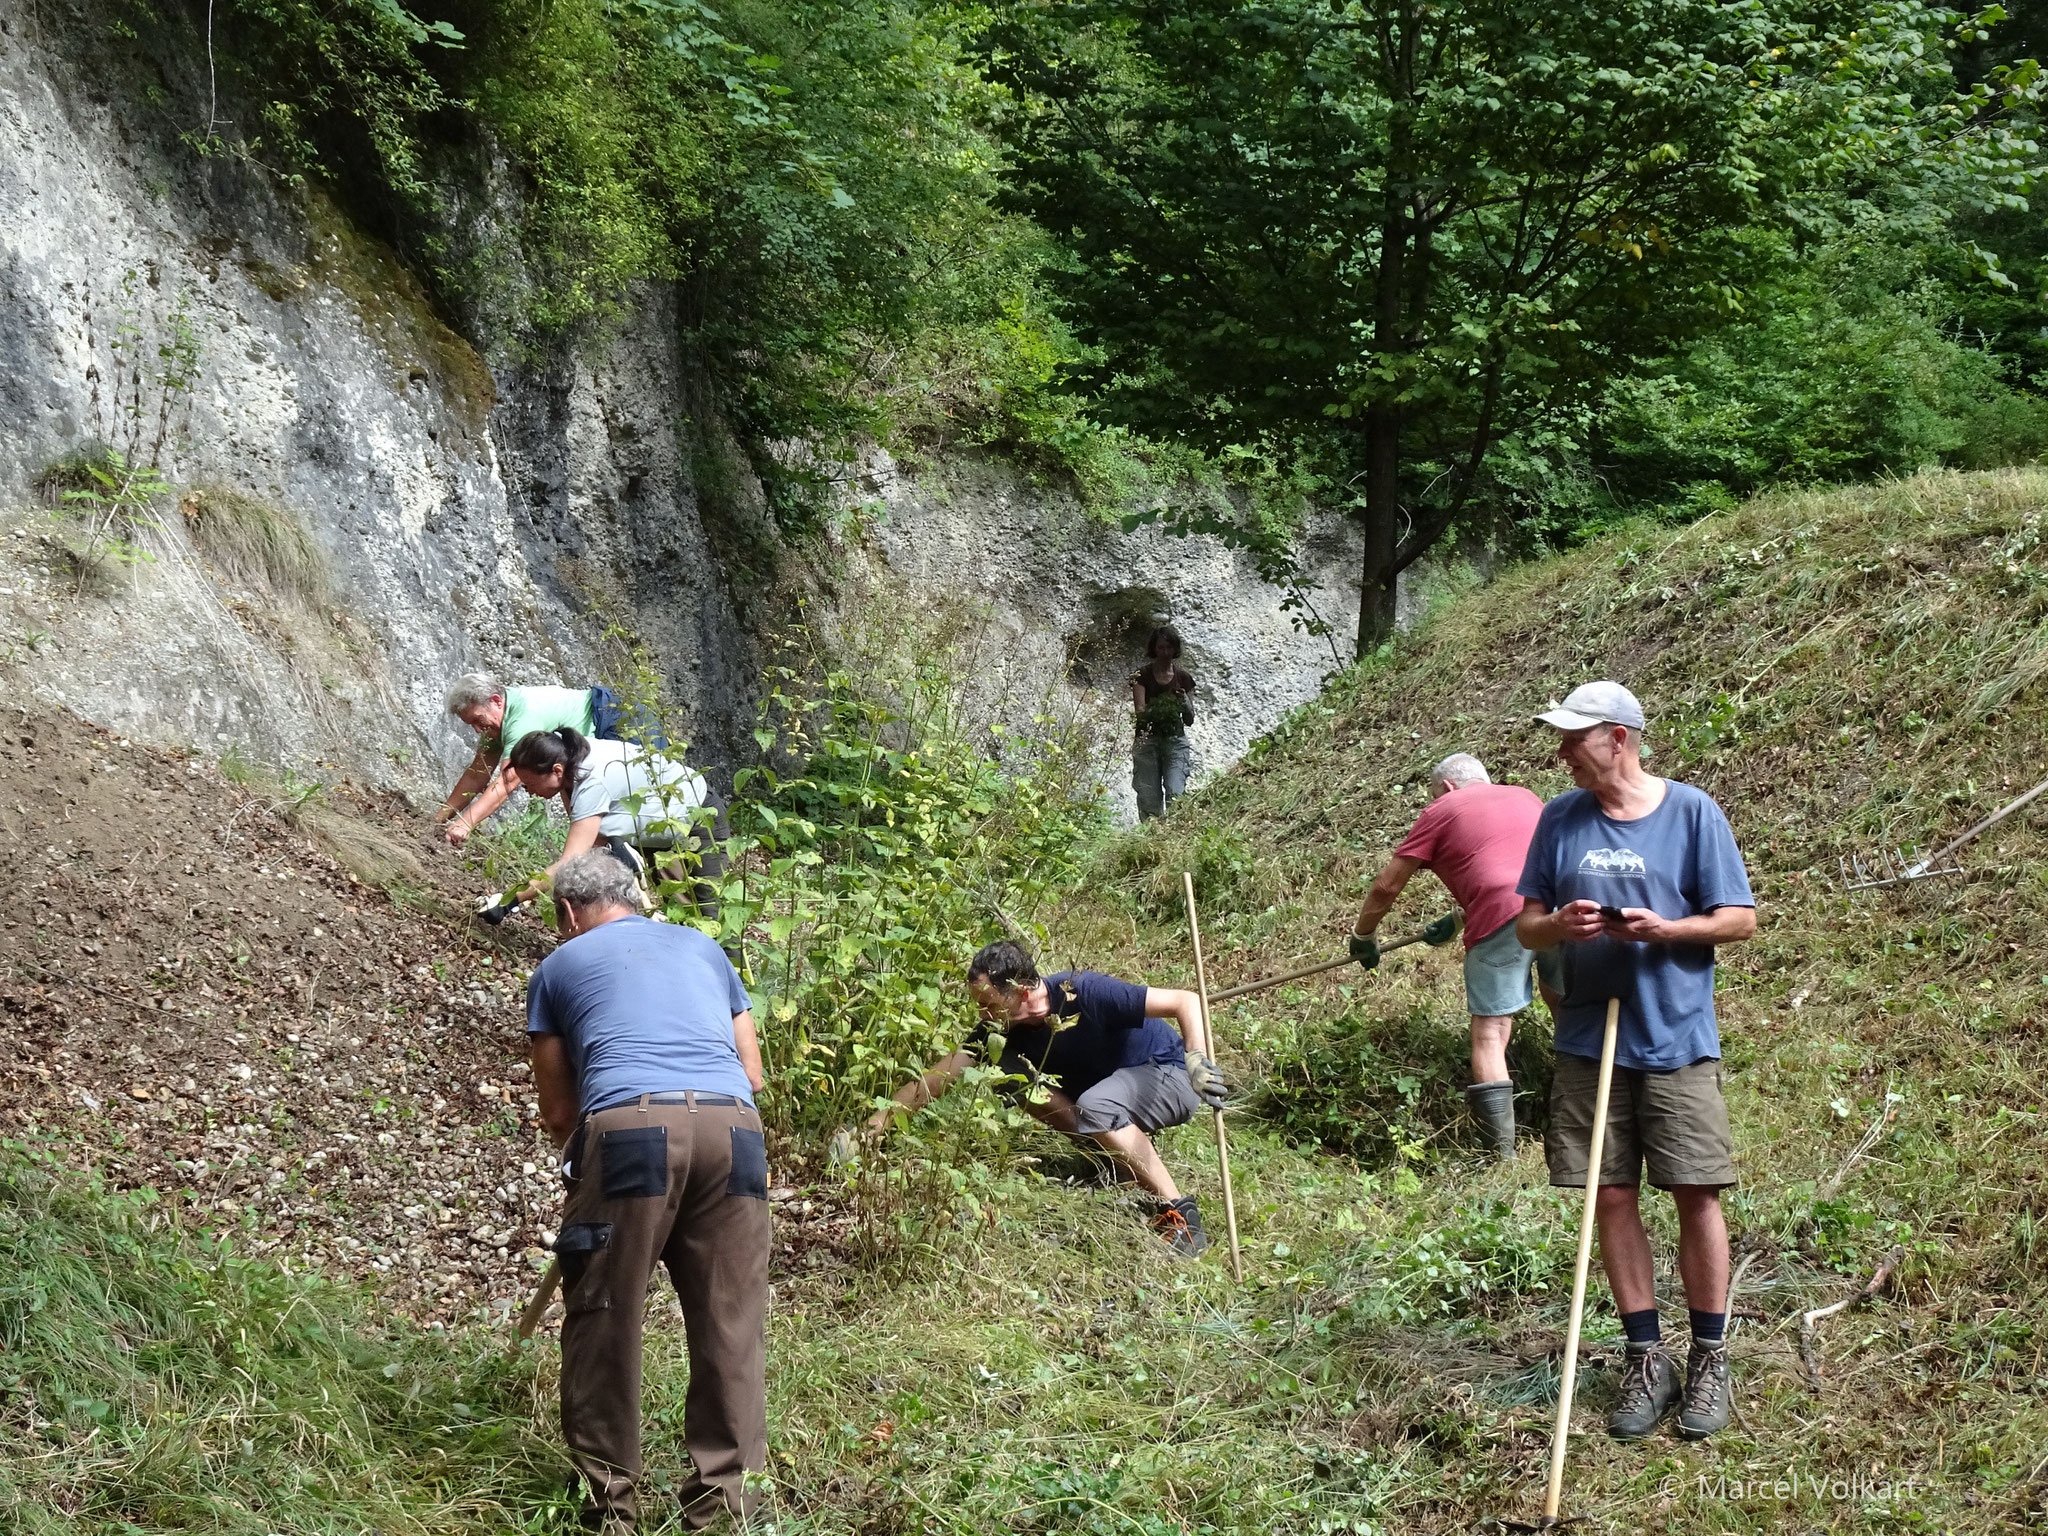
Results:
[1159, 772]
[685, 1185]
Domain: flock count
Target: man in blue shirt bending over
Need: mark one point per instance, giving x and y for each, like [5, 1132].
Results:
[1630, 883]
[1108, 1065]
[646, 1064]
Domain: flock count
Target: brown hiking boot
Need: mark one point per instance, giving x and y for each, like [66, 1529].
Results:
[1179, 1223]
[1649, 1389]
[1708, 1392]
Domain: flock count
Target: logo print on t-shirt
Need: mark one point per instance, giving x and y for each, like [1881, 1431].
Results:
[1612, 861]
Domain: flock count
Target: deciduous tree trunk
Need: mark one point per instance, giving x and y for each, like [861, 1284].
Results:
[1382, 523]
[1404, 261]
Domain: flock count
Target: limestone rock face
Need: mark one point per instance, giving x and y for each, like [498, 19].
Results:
[196, 315]
[1073, 599]
[363, 502]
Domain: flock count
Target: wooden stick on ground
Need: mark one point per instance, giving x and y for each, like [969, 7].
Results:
[1209, 1028]
[1754, 1243]
[1554, 1494]
[1808, 1320]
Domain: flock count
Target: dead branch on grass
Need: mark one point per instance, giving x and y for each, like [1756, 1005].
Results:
[1861, 1150]
[1752, 1247]
[1810, 1320]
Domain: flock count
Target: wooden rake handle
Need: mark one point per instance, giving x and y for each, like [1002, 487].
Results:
[1311, 970]
[1555, 1492]
[537, 1308]
[1209, 1025]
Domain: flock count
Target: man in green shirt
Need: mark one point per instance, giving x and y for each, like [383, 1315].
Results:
[501, 716]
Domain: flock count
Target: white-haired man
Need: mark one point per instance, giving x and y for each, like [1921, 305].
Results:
[503, 716]
[646, 1065]
[1634, 880]
[1474, 834]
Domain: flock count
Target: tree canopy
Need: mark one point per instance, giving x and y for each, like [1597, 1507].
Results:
[1385, 231]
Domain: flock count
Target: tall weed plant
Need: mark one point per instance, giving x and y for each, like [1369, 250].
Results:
[896, 824]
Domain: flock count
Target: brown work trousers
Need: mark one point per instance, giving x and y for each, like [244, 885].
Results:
[685, 1184]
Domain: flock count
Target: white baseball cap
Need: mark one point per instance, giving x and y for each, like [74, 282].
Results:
[1595, 704]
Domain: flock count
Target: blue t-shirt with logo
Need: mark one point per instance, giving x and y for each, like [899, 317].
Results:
[1678, 861]
[1103, 1030]
[642, 1007]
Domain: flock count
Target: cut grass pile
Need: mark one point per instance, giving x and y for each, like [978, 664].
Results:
[1841, 669]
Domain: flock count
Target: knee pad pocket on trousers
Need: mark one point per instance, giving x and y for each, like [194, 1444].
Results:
[749, 1174]
[574, 1249]
[634, 1162]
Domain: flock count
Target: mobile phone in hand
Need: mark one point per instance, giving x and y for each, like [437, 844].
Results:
[1613, 914]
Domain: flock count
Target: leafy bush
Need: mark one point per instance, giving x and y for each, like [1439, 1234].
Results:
[1492, 1248]
[103, 502]
[897, 827]
[514, 846]
[1852, 1239]
[1389, 1090]
[1150, 862]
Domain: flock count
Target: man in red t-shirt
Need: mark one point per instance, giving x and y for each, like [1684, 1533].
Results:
[1475, 835]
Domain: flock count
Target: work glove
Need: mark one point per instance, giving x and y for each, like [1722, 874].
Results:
[1365, 949]
[1442, 931]
[1207, 1080]
[495, 908]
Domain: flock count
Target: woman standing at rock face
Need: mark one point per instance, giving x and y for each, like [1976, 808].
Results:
[1162, 695]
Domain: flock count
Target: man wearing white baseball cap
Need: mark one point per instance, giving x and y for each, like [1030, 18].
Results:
[1636, 879]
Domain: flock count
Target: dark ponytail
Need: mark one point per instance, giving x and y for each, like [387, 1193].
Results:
[543, 751]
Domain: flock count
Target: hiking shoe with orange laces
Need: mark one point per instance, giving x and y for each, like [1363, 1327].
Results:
[1179, 1223]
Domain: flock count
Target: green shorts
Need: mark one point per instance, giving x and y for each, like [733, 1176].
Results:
[1675, 1122]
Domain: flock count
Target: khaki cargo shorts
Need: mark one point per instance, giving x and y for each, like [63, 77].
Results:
[1675, 1122]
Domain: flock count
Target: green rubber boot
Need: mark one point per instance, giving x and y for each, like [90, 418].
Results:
[1493, 1106]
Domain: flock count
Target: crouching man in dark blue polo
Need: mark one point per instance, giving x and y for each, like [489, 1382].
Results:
[646, 1065]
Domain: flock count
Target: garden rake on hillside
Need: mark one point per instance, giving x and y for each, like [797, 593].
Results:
[1420, 936]
[1862, 872]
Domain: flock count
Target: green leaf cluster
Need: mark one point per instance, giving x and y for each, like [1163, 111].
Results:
[1396, 237]
[818, 179]
[895, 826]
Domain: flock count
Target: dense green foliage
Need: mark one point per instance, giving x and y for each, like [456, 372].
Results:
[817, 178]
[1389, 234]
[1496, 268]
[895, 826]
[907, 837]
[1384, 1090]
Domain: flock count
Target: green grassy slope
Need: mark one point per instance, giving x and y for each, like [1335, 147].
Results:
[1849, 670]
[1854, 668]
[153, 1379]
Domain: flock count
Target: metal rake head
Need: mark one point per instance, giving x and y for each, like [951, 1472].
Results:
[1860, 872]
